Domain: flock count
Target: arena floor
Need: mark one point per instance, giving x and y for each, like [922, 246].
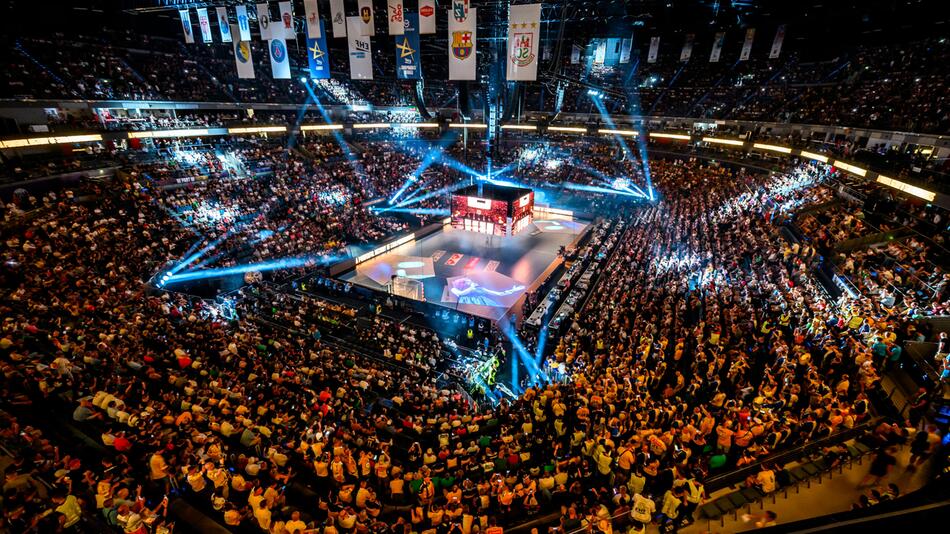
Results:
[490, 274]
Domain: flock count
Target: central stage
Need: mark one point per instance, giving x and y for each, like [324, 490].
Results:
[478, 274]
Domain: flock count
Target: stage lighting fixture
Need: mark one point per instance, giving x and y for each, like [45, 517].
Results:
[303, 79]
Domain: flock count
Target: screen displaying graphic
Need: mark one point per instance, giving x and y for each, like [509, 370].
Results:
[481, 215]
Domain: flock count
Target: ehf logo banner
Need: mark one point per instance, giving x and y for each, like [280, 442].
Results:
[365, 16]
[279, 62]
[408, 59]
[204, 24]
[243, 24]
[318, 57]
[361, 50]
[396, 16]
[186, 27]
[426, 16]
[312, 12]
[777, 42]
[242, 55]
[264, 22]
[524, 31]
[286, 22]
[338, 18]
[717, 47]
[654, 49]
[462, 57]
[223, 25]
[747, 44]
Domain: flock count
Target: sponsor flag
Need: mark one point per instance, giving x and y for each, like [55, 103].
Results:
[365, 16]
[361, 51]
[524, 30]
[264, 21]
[462, 59]
[186, 26]
[396, 17]
[204, 24]
[426, 16]
[717, 47]
[777, 42]
[687, 50]
[460, 10]
[279, 62]
[223, 24]
[312, 12]
[317, 55]
[654, 49]
[244, 27]
[626, 47]
[575, 54]
[242, 55]
[338, 18]
[747, 44]
[287, 20]
[408, 58]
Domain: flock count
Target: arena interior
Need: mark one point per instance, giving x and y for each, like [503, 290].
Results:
[474, 266]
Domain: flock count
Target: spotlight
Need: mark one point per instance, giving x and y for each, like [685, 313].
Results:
[303, 79]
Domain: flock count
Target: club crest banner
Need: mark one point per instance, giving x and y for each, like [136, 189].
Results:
[204, 24]
[264, 22]
[462, 57]
[312, 13]
[747, 44]
[279, 62]
[524, 32]
[287, 20]
[365, 16]
[426, 16]
[244, 27]
[396, 16]
[776, 50]
[338, 18]
[717, 47]
[242, 56]
[654, 49]
[186, 27]
[223, 25]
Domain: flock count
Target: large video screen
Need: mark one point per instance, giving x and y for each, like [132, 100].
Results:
[481, 215]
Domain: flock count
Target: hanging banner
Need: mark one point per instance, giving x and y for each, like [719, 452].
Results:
[575, 54]
[426, 16]
[687, 50]
[204, 24]
[279, 63]
[524, 31]
[717, 47]
[312, 12]
[264, 22]
[626, 47]
[223, 25]
[186, 26]
[287, 20]
[361, 51]
[244, 27]
[777, 42]
[242, 55]
[600, 52]
[338, 18]
[747, 44]
[654, 49]
[317, 56]
[367, 23]
[460, 9]
[408, 57]
[396, 17]
[462, 57]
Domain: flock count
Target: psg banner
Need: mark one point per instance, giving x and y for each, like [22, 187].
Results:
[244, 27]
[524, 31]
[367, 25]
[626, 47]
[717, 47]
[317, 56]
[312, 12]
[287, 21]
[462, 58]
[186, 26]
[279, 62]
[687, 51]
[747, 44]
[223, 24]
[338, 18]
[654, 49]
[777, 42]
[204, 24]
[264, 21]
[242, 56]
[408, 58]
[397, 18]
[426, 16]
[361, 51]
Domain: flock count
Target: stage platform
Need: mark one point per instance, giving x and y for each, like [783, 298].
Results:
[478, 274]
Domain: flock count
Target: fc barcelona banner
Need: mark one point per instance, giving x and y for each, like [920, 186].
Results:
[462, 60]
[717, 47]
[338, 18]
[242, 55]
[312, 12]
[524, 31]
[747, 44]
[396, 17]
[426, 16]
[408, 58]
[244, 27]
[223, 24]
[317, 56]
[279, 62]
[361, 50]
[186, 26]
[204, 24]
[777, 43]
[654, 49]
[367, 23]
